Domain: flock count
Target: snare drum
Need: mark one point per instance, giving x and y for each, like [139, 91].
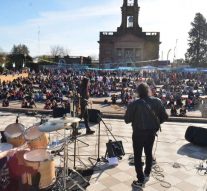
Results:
[35, 138]
[41, 161]
[14, 134]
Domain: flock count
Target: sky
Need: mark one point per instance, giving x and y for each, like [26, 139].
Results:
[75, 24]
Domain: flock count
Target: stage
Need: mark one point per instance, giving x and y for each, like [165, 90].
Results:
[175, 156]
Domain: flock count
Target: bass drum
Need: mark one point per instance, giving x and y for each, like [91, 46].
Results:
[14, 134]
[36, 139]
[42, 162]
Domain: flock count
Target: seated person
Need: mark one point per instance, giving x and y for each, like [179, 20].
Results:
[5, 103]
[32, 103]
[54, 104]
[114, 98]
[173, 111]
[67, 106]
[48, 104]
[183, 112]
[24, 103]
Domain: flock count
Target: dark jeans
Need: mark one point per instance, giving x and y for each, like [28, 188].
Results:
[143, 139]
[85, 116]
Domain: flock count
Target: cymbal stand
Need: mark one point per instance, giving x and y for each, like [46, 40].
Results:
[65, 165]
[66, 176]
[98, 159]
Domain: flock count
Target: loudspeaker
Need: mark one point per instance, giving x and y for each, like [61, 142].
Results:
[94, 115]
[58, 112]
[196, 135]
[115, 149]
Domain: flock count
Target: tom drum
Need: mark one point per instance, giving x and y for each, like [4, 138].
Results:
[14, 134]
[41, 161]
[35, 138]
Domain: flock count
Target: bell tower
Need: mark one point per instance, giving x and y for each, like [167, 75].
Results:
[130, 15]
[128, 45]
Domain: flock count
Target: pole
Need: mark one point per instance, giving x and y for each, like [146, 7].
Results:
[74, 159]
[99, 135]
[168, 53]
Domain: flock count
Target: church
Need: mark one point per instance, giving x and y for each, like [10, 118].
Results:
[129, 45]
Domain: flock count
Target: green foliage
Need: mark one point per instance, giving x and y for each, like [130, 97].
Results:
[20, 49]
[197, 52]
[19, 55]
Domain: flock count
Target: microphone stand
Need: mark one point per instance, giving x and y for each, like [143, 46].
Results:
[17, 118]
[102, 159]
[75, 126]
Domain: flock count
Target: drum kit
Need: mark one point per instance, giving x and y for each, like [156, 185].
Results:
[33, 151]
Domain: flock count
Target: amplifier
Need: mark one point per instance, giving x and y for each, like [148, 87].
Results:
[114, 149]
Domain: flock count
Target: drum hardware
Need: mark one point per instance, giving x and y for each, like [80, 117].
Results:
[64, 123]
[67, 176]
[17, 118]
[75, 181]
[54, 125]
[118, 149]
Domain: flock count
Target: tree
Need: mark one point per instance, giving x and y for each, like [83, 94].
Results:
[197, 52]
[59, 51]
[2, 57]
[19, 55]
[20, 49]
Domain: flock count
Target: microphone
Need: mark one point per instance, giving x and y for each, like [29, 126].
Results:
[17, 118]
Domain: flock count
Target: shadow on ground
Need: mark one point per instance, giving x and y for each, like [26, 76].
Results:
[193, 151]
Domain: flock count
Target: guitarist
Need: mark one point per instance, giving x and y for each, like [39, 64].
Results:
[84, 96]
[146, 114]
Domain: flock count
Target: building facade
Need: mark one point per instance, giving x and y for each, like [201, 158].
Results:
[129, 45]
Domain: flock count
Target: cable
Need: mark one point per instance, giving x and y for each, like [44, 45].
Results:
[157, 171]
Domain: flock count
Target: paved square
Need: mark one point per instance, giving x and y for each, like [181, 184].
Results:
[176, 158]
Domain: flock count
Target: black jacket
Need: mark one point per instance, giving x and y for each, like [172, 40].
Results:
[140, 117]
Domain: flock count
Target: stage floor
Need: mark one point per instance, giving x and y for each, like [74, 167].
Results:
[171, 148]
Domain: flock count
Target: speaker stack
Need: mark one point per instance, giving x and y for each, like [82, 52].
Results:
[94, 115]
[196, 135]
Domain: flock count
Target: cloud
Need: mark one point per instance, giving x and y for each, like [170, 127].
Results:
[77, 29]
[70, 28]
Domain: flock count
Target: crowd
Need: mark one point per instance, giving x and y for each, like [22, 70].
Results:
[59, 87]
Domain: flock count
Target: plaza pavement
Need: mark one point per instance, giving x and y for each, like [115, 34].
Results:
[176, 158]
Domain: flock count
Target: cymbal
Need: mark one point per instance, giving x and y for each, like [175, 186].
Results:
[71, 119]
[12, 126]
[67, 119]
[54, 125]
[5, 147]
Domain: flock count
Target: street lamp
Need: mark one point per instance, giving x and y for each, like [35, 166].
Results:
[168, 53]
[24, 61]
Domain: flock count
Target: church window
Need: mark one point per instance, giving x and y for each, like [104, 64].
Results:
[130, 21]
[119, 52]
[130, 2]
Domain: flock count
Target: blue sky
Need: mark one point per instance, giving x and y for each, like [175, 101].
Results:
[75, 24]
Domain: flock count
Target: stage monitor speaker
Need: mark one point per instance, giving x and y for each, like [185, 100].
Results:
[94, 115]
[196, 135]
[59, 112]
[115, 149]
